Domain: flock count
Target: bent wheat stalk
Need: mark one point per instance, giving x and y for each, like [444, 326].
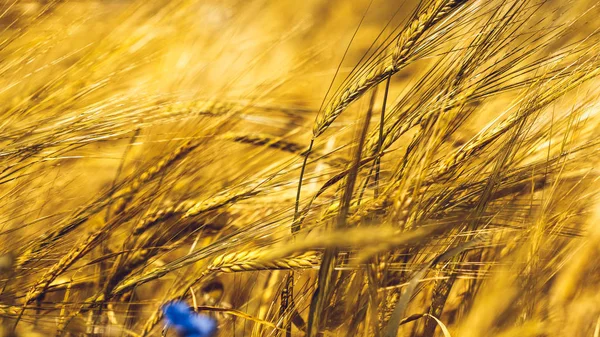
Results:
[406, 44]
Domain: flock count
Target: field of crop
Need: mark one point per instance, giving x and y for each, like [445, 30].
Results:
[316, 168]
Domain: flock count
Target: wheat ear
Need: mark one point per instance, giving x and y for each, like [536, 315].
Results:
[405, 46]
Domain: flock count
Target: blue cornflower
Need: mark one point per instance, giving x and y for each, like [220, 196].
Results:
[188, 323]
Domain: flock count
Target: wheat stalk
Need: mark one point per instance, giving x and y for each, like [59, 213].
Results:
[124, 196]
[192, 208]
[153, 218]
[405, 45]
[254, 260]
[261, 139]
[488, 136]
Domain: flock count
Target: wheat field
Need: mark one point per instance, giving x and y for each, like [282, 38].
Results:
[311, 168]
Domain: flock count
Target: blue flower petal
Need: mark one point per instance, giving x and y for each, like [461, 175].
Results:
[204, 325]
[188, 323]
